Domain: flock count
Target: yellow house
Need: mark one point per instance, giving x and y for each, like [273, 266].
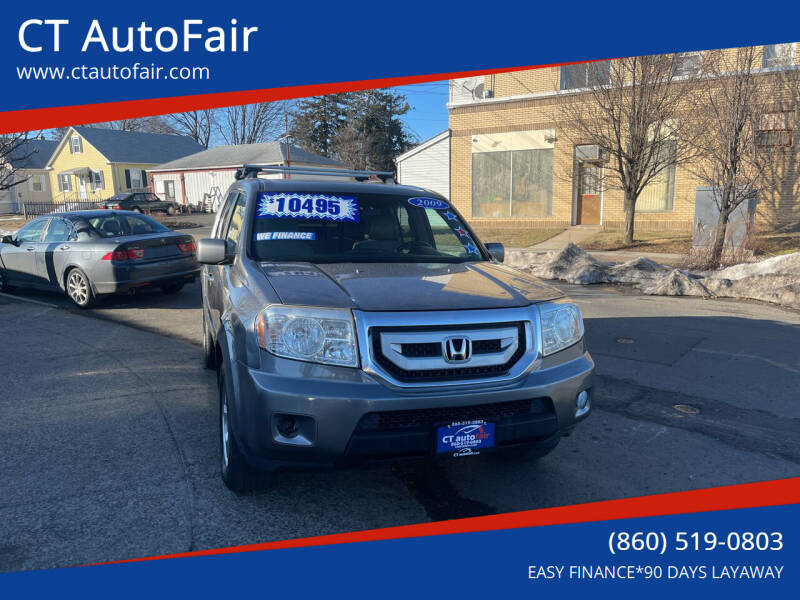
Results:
[93, 163]
[27, 179]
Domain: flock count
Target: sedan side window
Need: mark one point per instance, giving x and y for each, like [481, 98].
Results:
[58, 231]
[32, 232]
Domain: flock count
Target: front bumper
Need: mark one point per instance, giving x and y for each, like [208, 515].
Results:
[346, 415]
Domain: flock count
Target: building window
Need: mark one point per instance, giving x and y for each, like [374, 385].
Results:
[686, 64]
[585, 75]
[75, 145]
[778, 55]
[64, 183]
[776, 130]
[135, 179]
[512, 174]
[98, 180]
[659, 194]
[37, 182]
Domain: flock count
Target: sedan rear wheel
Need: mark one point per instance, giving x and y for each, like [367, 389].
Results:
[79, 289]
[136, 209]
[171, 210]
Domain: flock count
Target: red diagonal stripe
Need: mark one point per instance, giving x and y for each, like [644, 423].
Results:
[750, 495]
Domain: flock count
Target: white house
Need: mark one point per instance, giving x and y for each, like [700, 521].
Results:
[427, 165]
[200, 180]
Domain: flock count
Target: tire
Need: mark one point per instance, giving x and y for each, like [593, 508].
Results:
[172, 288]
[209, 356]
[528, 452]
[136, 209]
[171, 210]
[79, 288]
[237, 474]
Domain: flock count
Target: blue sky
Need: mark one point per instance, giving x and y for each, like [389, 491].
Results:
[428, 114]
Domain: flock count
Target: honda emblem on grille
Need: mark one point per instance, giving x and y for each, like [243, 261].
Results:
[457, 349]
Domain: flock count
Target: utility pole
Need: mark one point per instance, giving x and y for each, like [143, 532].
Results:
[286, 138]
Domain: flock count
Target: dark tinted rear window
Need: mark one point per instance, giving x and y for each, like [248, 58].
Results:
[118, 225]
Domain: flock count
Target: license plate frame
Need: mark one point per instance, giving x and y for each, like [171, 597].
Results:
[464, 438]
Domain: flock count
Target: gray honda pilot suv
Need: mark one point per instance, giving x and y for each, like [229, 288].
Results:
[351, 320]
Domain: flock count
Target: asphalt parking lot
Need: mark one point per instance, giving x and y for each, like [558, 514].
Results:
[108, 439]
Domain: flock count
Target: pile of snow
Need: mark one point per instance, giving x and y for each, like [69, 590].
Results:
[775, 280]
[575, 265]
[787, 264]
[675, 283]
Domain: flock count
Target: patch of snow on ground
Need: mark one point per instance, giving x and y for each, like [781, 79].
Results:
[775, 280]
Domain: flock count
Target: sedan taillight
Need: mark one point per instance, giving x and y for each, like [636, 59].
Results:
[187, 247]
[124, 254]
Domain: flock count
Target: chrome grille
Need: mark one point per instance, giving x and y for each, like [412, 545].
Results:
[420, 349]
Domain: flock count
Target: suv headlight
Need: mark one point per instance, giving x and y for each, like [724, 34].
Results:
[562, 325]
[321, 335]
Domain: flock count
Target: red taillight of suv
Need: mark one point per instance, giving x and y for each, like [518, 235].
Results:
[187, 247]
[128, 254]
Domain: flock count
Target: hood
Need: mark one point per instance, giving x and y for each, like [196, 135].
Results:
[406, 286]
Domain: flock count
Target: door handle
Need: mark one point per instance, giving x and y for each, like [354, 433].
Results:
[30, 248]
[64, 247]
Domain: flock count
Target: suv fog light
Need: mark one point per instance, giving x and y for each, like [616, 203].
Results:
[582, 400]
[287, 426]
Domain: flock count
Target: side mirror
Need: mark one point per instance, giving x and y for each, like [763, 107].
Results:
[497, 250]
[212, 251]
[7, 239]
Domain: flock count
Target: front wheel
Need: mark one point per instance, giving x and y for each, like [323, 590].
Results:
[171, 210]
[237, 474]
[79, 289]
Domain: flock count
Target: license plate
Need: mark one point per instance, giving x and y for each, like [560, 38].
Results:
[465, 438]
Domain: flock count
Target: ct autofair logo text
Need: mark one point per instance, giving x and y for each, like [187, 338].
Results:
[469, 433]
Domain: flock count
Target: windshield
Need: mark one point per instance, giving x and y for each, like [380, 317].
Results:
[117, 225]
[318, 227]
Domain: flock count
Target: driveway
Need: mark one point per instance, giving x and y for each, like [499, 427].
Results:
[108, 442]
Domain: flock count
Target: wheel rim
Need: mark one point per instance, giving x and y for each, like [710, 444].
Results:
[225, 431]
[77, 288]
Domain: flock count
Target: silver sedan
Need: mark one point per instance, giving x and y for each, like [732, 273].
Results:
[88, 254]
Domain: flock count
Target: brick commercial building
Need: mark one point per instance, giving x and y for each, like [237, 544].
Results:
[512, 164]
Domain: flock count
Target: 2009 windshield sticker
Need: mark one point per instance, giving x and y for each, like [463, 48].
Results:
[433, 203]
[285, 235]
[323, 207]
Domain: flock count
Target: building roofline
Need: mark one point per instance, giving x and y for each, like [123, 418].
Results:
[427, 143]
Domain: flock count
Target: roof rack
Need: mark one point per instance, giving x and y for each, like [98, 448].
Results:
[251, 172]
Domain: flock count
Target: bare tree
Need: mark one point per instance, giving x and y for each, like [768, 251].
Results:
[197, 124]
[731, 100]
[157, 124]
[628, 107]
[14, 153]
[251, 123]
